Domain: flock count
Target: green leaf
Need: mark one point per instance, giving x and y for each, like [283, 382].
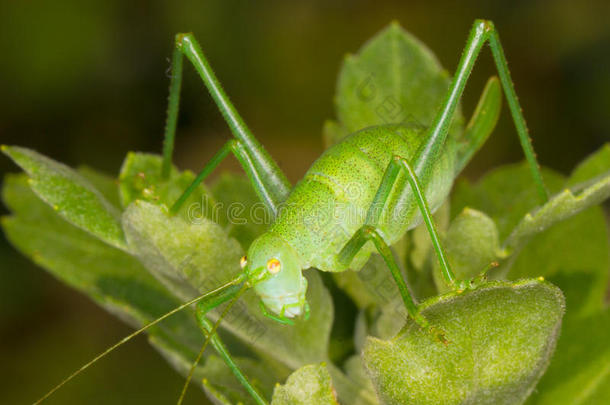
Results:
[193, 258]
[183, 256]
[108, 186]
[309, 385]
[506, 194]
[471, 245]
[502, 336]
[140, 179]
[217, 380]
[577, 247]
[593, 166]
[70, 194]
[111, 277]
[374, 285]
[580, 370]
[239, 208]
[558, 208]
[394, 78]
[371, 285]
[354, 368]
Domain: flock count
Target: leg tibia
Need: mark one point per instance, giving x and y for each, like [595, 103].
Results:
[482, 31]
[267, 172]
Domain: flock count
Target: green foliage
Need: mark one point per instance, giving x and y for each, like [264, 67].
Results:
[114, 279]
[471, 243]
[577, 246]
[140, 179]
[501, 338]
[70, 194]
[394, 79]
[114, 240]
[580, 372]
[308, 385]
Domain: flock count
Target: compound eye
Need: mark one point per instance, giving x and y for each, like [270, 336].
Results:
[243, 262]
[274, 266]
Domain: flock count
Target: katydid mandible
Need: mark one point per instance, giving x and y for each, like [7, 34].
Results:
[403, 174]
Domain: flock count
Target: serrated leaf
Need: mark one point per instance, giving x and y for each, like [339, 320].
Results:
[580, 370]
[70, 195]
[558, 208]
[309, 385]
[502, 336]
[111, 277]
[471, 244]
[394, 78]
[140, 179]
[506, 194]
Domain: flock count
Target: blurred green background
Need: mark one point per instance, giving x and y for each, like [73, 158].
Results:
[85, 82]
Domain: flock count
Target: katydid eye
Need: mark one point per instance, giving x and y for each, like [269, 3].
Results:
[243, 262]
[274, 266]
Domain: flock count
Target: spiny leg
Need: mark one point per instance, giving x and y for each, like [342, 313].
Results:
[239, 151]
[482, 31]
[373, 216]
[370, 231]
[209, 330]
[272, 186]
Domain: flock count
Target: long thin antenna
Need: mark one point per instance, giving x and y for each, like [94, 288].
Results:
[134, 334]
[205, 344]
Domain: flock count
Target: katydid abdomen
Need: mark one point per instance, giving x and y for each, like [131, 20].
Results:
[330, 204]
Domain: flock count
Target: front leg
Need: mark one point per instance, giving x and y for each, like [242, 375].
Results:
[270, 183]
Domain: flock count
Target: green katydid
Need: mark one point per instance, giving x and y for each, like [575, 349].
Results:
[403, 172]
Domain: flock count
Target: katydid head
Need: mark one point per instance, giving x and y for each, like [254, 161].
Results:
[281, 286]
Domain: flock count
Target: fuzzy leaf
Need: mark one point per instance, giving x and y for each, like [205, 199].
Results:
[371, 285]
[239, 208]
[558, 208]
[70, 194]
[394, 78]
[506, 194]
[181, 255]
[309, 385]
[140, 179]
[354, 368]
[580, 370]
[194, 258]
[502, 336]
[108, 186]
[111, 277]
[217, 380]
[576, 247]
[471, 244]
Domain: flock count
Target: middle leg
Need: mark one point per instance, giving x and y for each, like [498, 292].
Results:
[370, 231]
